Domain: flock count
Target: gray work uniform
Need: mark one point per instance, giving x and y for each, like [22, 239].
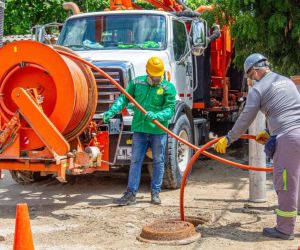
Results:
[278, 98]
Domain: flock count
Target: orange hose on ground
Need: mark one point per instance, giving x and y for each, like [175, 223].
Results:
[199, 151]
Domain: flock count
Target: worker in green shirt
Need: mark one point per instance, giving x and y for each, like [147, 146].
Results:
[158, 97]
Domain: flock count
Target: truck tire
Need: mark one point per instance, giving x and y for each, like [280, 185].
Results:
[178, 155]
[27, 177]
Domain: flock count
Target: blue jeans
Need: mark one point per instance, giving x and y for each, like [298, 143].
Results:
[140, 143]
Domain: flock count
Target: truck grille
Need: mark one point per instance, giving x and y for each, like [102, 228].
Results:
[107, 91]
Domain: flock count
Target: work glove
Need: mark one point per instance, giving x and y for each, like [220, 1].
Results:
[221, 145]
[149, 116]
[107, 116]
[262, 137]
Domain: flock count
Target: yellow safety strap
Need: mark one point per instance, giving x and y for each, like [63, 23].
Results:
[284, 180]
[285, 213]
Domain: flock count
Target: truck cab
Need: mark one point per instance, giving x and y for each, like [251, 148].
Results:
[133, 37]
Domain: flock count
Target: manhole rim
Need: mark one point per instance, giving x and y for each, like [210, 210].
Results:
[185, 241]
[158, 231]
[190, 226]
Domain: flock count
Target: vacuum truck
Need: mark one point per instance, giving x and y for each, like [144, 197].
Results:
[51, 105]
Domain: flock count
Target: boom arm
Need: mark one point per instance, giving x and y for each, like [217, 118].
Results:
[167, 5]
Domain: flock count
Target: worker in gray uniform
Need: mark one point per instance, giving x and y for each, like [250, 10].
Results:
[278, 98]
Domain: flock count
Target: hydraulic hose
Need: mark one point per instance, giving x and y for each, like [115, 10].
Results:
[215, 34]
[198, 150]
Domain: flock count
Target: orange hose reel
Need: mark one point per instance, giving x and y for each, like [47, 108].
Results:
[64, 84]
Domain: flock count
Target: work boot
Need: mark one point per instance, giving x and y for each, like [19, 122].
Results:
[155, 199]
[128, 198]
[274, 233]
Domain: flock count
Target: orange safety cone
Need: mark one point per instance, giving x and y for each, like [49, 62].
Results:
[23, 236]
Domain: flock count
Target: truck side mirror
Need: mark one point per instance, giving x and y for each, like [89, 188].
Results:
[199, 33]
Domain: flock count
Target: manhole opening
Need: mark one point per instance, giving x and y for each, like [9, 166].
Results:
[196, 220]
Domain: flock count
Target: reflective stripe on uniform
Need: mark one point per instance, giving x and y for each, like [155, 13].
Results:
[139, 81]
[285, 213]
[165, 87]
[284, 180]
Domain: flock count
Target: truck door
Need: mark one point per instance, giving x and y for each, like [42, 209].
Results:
[183, 66]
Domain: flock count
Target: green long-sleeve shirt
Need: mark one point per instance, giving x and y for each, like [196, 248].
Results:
[159, 99]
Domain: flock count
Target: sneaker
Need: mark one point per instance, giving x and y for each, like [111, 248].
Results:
[128, 198]
[274, 233]
[155, 199]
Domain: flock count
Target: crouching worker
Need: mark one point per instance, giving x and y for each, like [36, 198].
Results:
[158, 97]
[278, 98]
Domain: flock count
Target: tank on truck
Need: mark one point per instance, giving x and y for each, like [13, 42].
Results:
[227, 84]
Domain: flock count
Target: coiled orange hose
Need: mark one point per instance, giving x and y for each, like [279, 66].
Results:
[199, 151]
[59, 80]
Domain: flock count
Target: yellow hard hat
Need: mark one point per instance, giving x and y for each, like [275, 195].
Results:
[155, 67]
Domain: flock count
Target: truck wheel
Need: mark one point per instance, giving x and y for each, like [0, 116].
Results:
[178, 154]
[27, 177]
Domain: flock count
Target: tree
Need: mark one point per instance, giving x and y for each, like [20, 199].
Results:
[22, 15]
[270, 27]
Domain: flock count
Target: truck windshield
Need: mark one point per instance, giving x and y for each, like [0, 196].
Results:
[129, 31]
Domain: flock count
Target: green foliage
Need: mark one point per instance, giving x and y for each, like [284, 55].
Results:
[22, 15]
[270, 27]
[194, 4]
[92, 5]
[145, 5]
